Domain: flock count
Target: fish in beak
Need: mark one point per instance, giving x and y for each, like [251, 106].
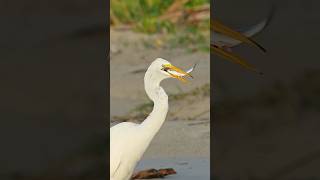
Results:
[178, 73]
[224, 50]
[218, 27]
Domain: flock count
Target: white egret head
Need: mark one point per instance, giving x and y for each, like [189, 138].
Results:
[163, 69]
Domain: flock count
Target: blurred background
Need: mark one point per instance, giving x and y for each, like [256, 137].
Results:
[53, 74]
[176, 30]
[267, 127]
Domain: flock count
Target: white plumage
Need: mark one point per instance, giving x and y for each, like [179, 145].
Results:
[129, 141]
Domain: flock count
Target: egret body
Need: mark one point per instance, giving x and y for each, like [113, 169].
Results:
[129, 141]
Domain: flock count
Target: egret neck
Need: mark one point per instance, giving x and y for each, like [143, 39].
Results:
[160, 104]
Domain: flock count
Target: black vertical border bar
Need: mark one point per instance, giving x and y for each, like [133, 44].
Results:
[108, 85]
[211, 97]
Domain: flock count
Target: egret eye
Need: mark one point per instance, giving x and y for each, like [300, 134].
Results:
[164, 68]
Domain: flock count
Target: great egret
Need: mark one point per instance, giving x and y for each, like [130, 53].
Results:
[129, 141]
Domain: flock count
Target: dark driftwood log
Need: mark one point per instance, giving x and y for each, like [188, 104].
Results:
[153, 173]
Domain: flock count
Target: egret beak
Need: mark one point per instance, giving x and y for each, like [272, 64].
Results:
[220, 28]
[233, 58]
[220, 51]
[176, 73]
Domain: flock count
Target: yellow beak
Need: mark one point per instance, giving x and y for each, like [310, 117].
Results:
[176, 72]
[220, 28]
[233, 58]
